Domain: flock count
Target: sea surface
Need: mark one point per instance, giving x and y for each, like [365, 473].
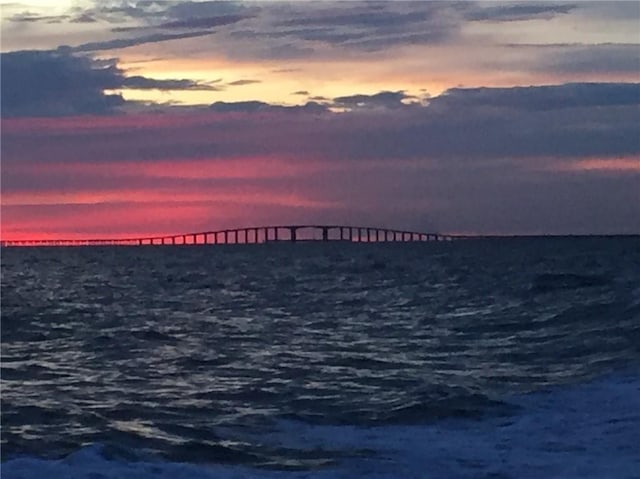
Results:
[500, 358]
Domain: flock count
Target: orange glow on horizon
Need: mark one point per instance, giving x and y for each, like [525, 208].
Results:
[622, 165]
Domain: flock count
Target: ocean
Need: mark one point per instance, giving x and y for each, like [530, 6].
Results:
[494, 358]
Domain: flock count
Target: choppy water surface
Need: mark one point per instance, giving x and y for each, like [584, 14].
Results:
[338, 360]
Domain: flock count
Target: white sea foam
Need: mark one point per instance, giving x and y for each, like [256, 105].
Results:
[585, 431]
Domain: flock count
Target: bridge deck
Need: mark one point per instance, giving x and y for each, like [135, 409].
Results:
[253, 235]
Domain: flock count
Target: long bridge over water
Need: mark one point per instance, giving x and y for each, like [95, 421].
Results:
[254, 235]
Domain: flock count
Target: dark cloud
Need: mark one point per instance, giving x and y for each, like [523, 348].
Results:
[532, 98]
[57, 83]
[568, 121]
[461, 126]
[244, 82]
[363, 15]
[262, 107]
[203, 22]
[121, 12]
[369, 26]
[43, 83]
[185, 10]
[604, 59]
[144, 83]
[241, 106]
[141, 40]
[301, 92]
[518, 12]
[616, 11]
[84, 18]
[384, 99]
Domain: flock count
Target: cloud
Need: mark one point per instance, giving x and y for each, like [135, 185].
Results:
[244, 82]
[384, 99]
[602, 59]
[119, 43]
[84, 18]
[144, 83]
[365, 26]
[203, 22]
[28, 17]
[185, 10]
[557, 121]
[518, 12]
[462, 126]
[74, 84]
[259, 106]
[549, 97]
[477, 160]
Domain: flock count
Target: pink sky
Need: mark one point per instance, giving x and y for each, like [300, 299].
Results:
[489, 118]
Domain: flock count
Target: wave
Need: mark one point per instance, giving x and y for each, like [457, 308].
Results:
[548, 282]
[584, 431]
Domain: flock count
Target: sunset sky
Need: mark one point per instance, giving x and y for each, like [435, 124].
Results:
[124, 118]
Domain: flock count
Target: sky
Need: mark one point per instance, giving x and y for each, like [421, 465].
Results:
[129, 118]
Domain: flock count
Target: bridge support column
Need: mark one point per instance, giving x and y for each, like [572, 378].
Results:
[275, 233]
[325, 233]
[292, 233]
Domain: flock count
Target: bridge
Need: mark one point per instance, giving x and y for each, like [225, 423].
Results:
[254, 235]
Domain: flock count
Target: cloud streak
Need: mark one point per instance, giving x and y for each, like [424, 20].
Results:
[120, 43]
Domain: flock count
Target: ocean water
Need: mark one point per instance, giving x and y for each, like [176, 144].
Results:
[501, 358]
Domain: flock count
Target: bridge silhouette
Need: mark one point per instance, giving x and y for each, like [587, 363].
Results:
[254, 235]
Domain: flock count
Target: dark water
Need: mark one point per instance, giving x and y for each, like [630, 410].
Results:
[235, 356]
